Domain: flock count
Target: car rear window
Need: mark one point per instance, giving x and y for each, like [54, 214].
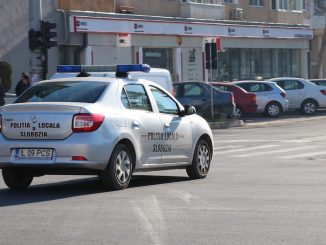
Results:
[68, 91]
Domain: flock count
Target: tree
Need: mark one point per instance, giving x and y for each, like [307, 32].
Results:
[320, 8]
[5, 75]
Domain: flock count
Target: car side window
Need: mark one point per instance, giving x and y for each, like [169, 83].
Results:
[176, 90]
[164, 103]
[292, 84]
[134, 97]
[193, 90]
[223, 88]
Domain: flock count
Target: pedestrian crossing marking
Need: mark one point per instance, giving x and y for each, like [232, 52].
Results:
[274, 151]
[245, 149]
[310, 154]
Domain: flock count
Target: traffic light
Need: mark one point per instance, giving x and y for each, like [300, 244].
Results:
[35, 39]
[211, 55]
[48, 34]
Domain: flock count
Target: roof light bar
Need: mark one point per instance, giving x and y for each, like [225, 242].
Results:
[103, 68]
[136, 67]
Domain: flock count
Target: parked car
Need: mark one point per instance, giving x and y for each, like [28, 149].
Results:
[102, 126]
[271, 99]
[198, 94]
[302, 94]
[245, 102]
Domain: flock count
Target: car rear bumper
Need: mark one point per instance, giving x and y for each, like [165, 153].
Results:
[68, 153]
[250, 108]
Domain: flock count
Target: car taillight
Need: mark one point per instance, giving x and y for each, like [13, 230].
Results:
[323, 91]
[85, 122]
[254, 99]
[283, 95]
[172, 90]
[0, 123]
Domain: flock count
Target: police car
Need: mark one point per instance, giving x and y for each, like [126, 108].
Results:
[110, 127]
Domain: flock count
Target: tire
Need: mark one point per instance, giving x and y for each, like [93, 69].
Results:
[17, 179]
[273, 109]
[117, 174]
[237, 114]
[201, 161]
[308, 107]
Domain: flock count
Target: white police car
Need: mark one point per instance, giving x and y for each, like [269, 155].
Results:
[109, 127]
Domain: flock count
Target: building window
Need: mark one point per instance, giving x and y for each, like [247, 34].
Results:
[256, 2]
[216, 2]
[230, 1]
[246, 64]
[290, 5]
[319, 7]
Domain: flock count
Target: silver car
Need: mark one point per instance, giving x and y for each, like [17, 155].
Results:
[108, 127]
[271, 99]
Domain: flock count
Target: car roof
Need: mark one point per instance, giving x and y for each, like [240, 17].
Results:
[252, 81]
[287, 78]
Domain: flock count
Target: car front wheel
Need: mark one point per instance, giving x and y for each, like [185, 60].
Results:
[201, 161]
[273, 109]
[17, 179]
[117, 174]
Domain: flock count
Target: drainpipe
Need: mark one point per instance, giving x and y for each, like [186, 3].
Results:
[80, 49]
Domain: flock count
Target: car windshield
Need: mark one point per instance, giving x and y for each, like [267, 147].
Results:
[69, 91]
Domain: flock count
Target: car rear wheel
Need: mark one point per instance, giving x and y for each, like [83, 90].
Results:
[273, 109]
[237, 113]
[309, 107]
[117, 174]
[201, 161]
[17, 179]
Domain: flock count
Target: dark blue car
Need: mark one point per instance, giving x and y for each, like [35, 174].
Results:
[198, 94]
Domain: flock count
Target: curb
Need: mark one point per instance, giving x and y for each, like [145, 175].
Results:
[226, 124]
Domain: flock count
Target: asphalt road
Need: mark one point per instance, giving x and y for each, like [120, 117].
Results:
[266, 186]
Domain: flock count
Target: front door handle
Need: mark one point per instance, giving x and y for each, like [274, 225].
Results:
[166, 125]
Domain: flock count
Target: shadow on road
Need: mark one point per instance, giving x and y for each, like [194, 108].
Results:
[76, 187]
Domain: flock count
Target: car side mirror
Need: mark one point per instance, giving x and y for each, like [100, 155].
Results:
[188, 110]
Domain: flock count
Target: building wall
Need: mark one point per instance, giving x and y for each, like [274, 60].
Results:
[86, 5]
[169, 8]
[13, 39]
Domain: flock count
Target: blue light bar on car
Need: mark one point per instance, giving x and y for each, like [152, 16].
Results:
[136, 67]
[69, 68]
[103, 68]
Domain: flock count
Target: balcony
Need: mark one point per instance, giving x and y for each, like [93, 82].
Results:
[202, 9]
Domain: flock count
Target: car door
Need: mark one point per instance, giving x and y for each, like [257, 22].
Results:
[194, 94]
[177, 130]
[294, 91]
[145, 125]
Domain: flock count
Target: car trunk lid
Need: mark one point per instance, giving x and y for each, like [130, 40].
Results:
[38, 121]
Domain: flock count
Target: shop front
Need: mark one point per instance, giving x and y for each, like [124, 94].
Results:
[246, 49]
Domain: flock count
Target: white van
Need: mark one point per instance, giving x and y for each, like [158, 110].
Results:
[157, 75]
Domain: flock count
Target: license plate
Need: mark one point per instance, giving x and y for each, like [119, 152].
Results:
[34, 153]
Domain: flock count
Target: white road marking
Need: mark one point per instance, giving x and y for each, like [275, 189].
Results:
[227, 147]
[310, 154]
[151, 218]
[245, 149]
[274, 151]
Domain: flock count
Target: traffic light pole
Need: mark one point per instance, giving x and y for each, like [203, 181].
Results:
[36, 56]
[211, 77]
